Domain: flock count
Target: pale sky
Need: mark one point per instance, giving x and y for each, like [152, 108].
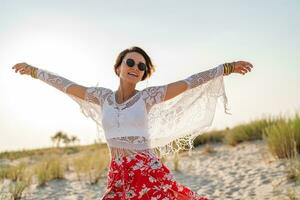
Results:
[80, 40]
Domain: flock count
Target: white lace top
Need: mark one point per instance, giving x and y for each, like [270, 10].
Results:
[146, 122]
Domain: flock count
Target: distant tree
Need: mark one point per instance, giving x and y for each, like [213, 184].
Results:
[57, 138]
[74, 139]
[66, 140]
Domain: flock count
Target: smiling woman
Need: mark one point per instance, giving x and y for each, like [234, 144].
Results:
[141, 126]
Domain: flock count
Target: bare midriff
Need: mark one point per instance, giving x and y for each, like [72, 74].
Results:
[120, 152]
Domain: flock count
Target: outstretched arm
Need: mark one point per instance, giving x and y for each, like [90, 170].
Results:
[53, 79]
[176, 88]
[61, 83]
[156, 94]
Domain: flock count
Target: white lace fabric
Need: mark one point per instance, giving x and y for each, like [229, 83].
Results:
[146, 122]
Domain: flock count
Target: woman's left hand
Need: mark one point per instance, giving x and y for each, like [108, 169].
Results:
[242, 67]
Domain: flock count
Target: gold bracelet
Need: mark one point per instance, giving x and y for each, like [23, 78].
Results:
[228, 68]
[33, 72]
[225, 69]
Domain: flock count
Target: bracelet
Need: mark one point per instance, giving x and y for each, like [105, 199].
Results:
[33, 72]
[228, 68]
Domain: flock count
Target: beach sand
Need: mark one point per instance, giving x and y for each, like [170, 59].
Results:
[246, 171]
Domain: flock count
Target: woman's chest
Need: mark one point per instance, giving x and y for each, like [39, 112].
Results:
[130, 114]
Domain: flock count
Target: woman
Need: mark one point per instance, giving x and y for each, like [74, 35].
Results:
[140, 126]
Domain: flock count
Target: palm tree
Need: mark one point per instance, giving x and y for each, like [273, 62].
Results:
[66, 139]
[57, 138]
[74, 139]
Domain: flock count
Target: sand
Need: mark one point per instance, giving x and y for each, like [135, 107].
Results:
[246, 171]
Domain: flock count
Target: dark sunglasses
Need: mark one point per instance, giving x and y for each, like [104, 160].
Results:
[130, 63]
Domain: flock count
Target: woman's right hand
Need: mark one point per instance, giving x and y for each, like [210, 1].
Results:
[23, 68]
[242, 67]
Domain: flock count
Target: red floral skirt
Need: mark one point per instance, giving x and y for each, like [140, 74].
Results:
[143, 176]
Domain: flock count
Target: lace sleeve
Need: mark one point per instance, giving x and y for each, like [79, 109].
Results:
[54, 80]
[203, 77]
[199, 79]
[153, 95]
[175, 123]
[90, 105]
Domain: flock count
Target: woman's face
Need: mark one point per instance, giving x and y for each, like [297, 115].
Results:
[131, 74]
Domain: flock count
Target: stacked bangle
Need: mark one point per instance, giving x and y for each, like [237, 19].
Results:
[228, 68]
[33, 72]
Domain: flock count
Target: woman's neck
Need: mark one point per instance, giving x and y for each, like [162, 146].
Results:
[125, 91]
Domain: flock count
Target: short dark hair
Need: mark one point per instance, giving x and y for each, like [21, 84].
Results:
[150, 66]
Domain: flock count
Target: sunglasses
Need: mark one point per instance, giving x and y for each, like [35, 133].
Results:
[130, 63]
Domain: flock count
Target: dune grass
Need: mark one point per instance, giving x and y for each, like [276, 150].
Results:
[48, 169]
[17, 188]
[283, 139]
[214, 136]
[247, 132]
[14, 155]
[20, 177]
[282, 135]
[43, 165]
[44, 152]
[90, 165]
[252, 130]
[14, 173]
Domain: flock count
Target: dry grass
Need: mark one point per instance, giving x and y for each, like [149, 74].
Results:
[20, 179]
[90, 165]
[209, 149]
[13, 173]
[293, 169]
[247, 132]
[49, 169]
[17, 188]
[283, 137]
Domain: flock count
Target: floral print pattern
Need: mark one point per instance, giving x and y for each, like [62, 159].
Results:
[144, 176]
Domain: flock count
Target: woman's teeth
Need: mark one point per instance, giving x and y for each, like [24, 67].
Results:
[133, 74]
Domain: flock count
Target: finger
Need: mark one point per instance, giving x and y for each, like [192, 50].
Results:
[249, 68]
[244, 71]
[17, 65]
[19, 69]
[249, 64]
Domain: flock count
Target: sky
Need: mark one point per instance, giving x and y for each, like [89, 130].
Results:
[80, 41]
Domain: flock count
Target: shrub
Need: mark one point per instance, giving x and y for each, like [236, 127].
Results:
[91, 165]
[283, 137]
[49, 169]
